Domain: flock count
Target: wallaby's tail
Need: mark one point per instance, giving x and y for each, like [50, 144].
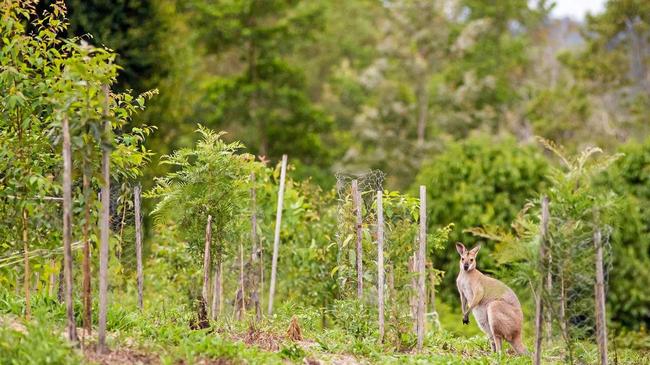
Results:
[518, 345]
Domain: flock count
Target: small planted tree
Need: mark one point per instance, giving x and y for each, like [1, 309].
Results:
[58, 115]
[209, 180]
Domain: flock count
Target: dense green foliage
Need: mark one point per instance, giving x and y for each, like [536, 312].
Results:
[45, 80]
[630, 179]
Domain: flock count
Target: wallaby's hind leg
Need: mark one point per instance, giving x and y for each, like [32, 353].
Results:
[518, 345]
[505, 323]
[497, 315]
[481, 316]
[497, 344]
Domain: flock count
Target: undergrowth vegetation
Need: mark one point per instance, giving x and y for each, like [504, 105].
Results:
[162, 335]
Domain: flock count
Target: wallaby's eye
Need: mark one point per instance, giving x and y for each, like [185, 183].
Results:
[471, 260]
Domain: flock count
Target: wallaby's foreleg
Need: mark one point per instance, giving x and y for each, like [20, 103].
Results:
[463, 304]
[476, 299]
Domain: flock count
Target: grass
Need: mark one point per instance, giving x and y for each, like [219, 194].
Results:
[162, 335]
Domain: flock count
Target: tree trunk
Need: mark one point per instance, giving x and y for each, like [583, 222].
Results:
[104, 228]
[138, 244]
[37, 281]
[356, 198]
[563, 319]
[86, 284]
[276, 237]
[413, 302]
[220, 286]
[432, 297]
[67, 230]
[421, 266]
[256, 253]
[423, 109]
[601, 317]
[261, 277]
[61, 283]
[539, 301]
[217, 290]
[242, 289]
[207, 260]
[28, 305]
[549, 289]
[380, 263]
[52, 278]
[118, 252]
[391, 283]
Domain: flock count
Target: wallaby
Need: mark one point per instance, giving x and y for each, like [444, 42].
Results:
[494, 305]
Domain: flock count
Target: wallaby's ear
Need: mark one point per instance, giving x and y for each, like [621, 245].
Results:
[474, 251]
[460, 248]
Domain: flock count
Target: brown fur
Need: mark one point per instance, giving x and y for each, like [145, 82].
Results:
[494, 305]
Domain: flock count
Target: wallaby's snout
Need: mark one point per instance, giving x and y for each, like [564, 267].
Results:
[465, 266]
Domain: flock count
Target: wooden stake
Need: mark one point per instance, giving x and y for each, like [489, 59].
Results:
[28, 305]
[421, 260]
[207, 260]
[67, 230]
[601, 317]
[356, 198]
[138, 244]
[276, 237]
[539, 305]
[104, 228]
[380, 263]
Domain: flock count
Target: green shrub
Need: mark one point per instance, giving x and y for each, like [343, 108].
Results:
[628, 296]
[38, 343]
[354, 317]
[292, 351]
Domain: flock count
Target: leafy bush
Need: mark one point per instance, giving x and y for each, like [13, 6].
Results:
[628, 295]
[354, 317]
[400, 331]
[37, 343]
[292, 351]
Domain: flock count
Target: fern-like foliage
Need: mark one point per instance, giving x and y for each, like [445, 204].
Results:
[210, 179]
